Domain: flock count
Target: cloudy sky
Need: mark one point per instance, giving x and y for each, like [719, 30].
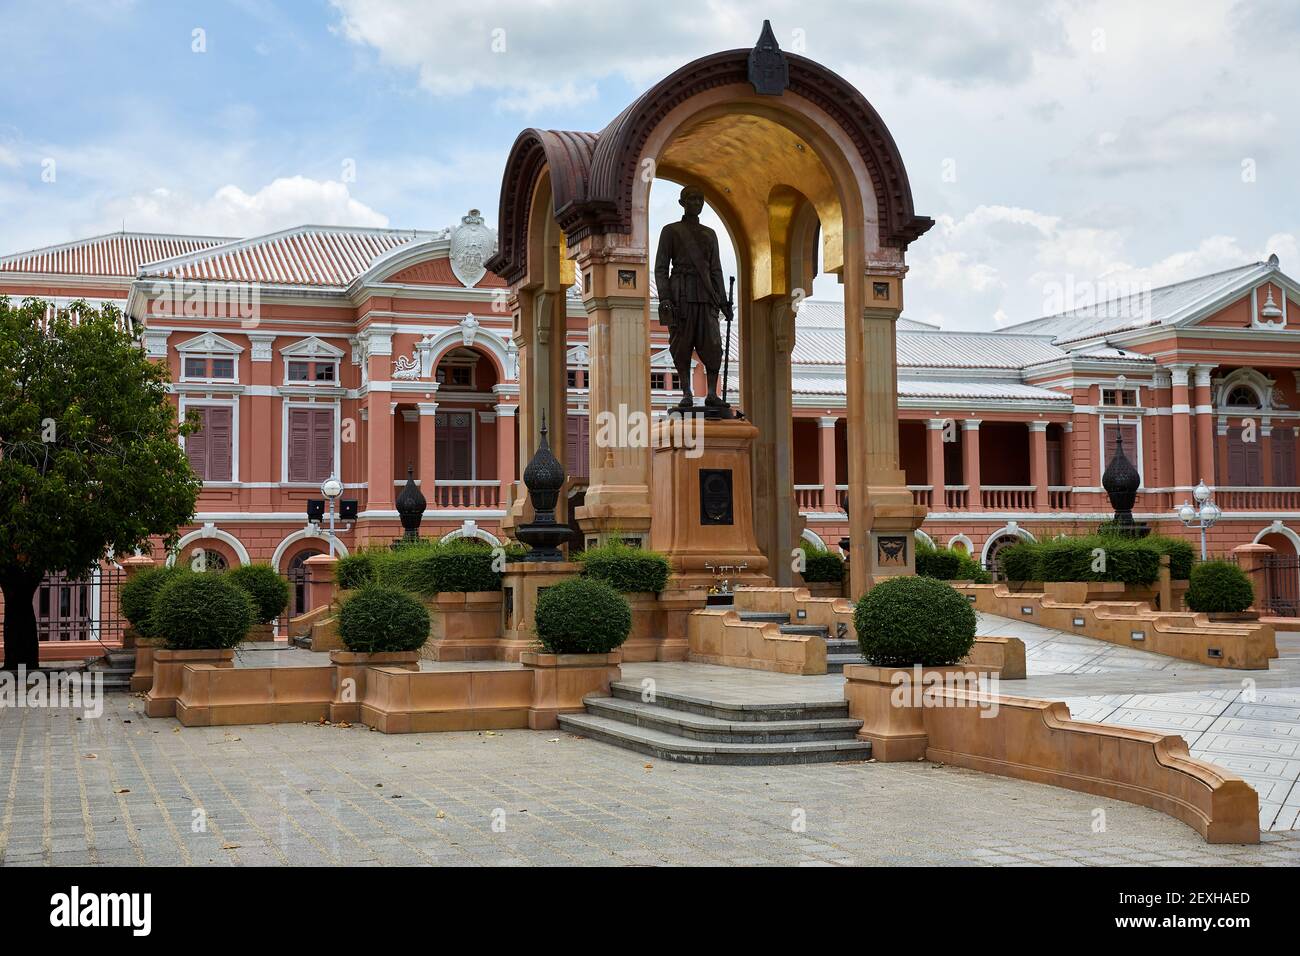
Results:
[1055, 143]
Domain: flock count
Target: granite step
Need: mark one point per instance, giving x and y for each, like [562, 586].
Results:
[813, 630]
[766, 617]
[698, 727]
[734, 711]
[835, 662]
[678, 749]
[836, 646]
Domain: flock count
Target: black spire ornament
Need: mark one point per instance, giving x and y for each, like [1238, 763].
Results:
[544, 477]
[410, 508]
[1121, 482]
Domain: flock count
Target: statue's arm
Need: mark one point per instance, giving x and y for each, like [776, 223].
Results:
[663, 256]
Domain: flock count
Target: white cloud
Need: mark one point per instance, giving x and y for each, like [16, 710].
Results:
[1179, 140]
[230, 211]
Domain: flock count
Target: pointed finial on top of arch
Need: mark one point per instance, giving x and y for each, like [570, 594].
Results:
[768, 72]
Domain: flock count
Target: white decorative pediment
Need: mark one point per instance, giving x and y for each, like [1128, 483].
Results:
[209, 343]
[578, 357]
[663, 359]
[311, 348]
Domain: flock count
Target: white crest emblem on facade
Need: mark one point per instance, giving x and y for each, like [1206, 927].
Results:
[468, 328]
[472, 244]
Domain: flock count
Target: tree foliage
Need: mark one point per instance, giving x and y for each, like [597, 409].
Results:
[90, 458]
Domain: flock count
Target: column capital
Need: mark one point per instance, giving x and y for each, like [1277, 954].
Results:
[937, 424]
[428, 408]
[506, 411]
[1203, 375]
[1178, 374]
[1037, 426]
[971, 424]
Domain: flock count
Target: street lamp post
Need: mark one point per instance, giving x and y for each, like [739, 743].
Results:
[331, 488]
[1203, 515]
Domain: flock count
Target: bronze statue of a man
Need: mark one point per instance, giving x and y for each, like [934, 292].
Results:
[691, 296]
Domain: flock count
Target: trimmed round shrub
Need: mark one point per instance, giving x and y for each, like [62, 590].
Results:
[378, 619]
[625, 568]
[582, 616]
[1219, 587]
[355, 570]
[821, 566]
[268, 591]
[138, 592]
[913, 620]
[201, 612]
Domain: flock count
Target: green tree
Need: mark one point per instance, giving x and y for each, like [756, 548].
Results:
[90, 462]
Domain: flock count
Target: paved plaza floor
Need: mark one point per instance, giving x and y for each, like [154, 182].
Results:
[125, 789]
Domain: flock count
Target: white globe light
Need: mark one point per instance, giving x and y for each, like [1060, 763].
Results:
[331, 487]
[1202, 493]
[1210, 512]
[1187, 514]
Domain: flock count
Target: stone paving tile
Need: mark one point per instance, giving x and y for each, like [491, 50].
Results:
[300, 793]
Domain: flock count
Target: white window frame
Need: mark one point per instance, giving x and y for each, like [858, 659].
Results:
[233, 404]
[314, 352]
[209, 346]
[473, 439]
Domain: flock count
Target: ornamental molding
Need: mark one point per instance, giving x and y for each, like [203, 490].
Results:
[472, 244]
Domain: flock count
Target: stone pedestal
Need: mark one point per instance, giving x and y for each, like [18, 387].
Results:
[520, 585]
[561, 681]
[703, 501]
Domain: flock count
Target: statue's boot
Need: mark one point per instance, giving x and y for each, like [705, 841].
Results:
[687, 402]
[712, 400]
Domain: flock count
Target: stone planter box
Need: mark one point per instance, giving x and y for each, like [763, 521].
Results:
[649, 627]
[1232, 617]
[351, 670]
[142, 676]
[260, 633]
[168, 669]
[561, 681]
[464, 626]
[890, 702]
[825, 589]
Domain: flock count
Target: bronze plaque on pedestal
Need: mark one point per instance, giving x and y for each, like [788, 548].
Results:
[716, 496]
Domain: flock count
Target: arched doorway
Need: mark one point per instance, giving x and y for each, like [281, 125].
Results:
[802, 171]
[299, 581]
[1281, 575]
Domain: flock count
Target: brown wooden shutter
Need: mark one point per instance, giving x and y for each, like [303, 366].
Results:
[1129, 431]
[1244, 466]
[220, 444]
[1053, 463]
[1284, 456]
[575, 445]
[300, 444]
[196, 444]
[322, 444]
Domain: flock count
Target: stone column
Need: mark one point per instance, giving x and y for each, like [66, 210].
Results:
[826, 447]
[506, 467]
[617, 503]
[934, 463]
[970, 463]
[1204, 426]
[379, 423]
[1038, 464]
[261, 466]
[1067, 456]
[1180, 411]
[1265, 452]
[427, 466]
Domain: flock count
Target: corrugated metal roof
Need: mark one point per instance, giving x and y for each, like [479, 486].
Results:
[1164, 305]
[329, 256]
[919, 388]
[930, 349]
[116, 254]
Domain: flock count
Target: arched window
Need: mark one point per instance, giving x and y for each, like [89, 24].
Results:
[1243, 396]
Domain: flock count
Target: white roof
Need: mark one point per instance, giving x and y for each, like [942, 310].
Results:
[117, 254]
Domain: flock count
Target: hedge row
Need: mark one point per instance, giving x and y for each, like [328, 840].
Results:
[1096, 557]
[429, 567]
[626, 568]
[948, 564]
[821, 566]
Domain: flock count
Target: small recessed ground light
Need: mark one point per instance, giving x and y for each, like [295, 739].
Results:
[1027, 609]
[1078, 622]
[971, 598]
[1138, 635]
[801, 614]
[1215, 652]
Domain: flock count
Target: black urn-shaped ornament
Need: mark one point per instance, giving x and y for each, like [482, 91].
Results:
[410, 507]
[1121, 481]
[544, 477]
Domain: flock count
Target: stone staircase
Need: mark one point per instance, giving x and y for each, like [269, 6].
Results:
[687, 729]
[116, 665]
[840, 650]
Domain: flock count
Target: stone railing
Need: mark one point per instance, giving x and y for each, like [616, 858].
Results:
[957, 497]
[921, 494]
[1059, 497]
[808, 497]
[1008, 497]
[466, 494]
[1257, 499]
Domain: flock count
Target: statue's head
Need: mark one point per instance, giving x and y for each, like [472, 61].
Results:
[692, 200]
